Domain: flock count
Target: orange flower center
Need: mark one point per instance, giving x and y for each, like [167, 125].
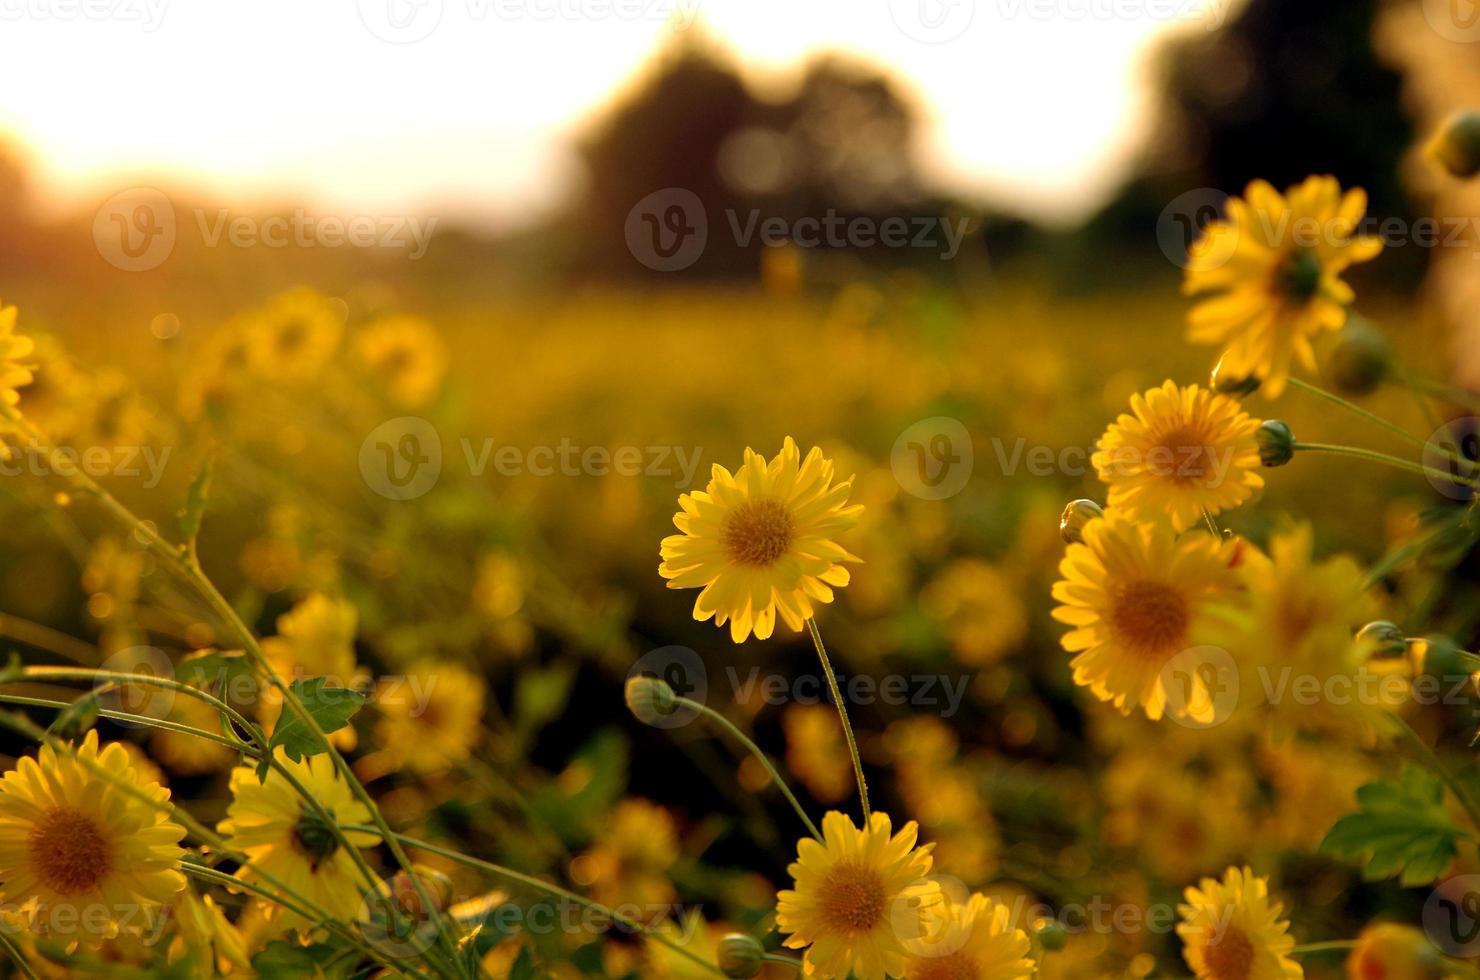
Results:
[1149, 616]
[852, 898]
[1229, 956]
[69, 851]
[758, 532]
[1183, 456]
[957, 966]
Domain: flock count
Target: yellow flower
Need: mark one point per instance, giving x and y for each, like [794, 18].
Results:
[981, 610]
[974, 939]
[630, 860]
[75, 847]
[1276, 262]
[15, 372]
[1182, 450]
[851, 890]
[315, 639]
[816, 753]
[1136, 596]
[208, 936]
[692, 934]
[430, 718]
[295, 335]
[1232, 931]
[762, 540]
[283, 835]
[406, 355]
[1389, 951]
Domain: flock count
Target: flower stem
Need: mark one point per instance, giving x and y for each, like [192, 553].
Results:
[1212, 524]
[1385, 459]
[1333, 946]
[837, 696]
[16, 956]
[1379, 421]
[760, 757]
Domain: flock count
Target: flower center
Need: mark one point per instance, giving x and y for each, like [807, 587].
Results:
[1183, 456]
[1149, 616]
[1301, 275]
[69, 850]
[852, 898]
[954, 967]
[758, 532]
[1229, 956]
[314, 838]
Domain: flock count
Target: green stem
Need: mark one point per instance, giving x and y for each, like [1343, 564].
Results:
[760, 757]
[161, 723]
[790, 961]
[16, 956]
[1333, 946]
[546, 887]
[1430, 760]
[1384, 458]
[1357, 410]
[837, 696]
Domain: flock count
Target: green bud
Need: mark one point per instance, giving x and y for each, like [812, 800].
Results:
[1075, 517]
[1360, 360]
[1381, 640]
[650, 699]
[1051, 935]
[741, 955]
[1443, 658]
[1237, 386]
[1456, 147]
[1276, 443]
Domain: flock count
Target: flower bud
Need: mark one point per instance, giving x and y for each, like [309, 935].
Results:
[1441, 657]
[1456, 147]
[650, 699]
[1360, 360]
[1051, 935]
[1075, 517]
[437, 886]
[1276, 443]
[1388, 949]
[1221, 380]
[1381, 639]
[741, 955]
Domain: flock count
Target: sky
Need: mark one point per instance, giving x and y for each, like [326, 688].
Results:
[470, 106]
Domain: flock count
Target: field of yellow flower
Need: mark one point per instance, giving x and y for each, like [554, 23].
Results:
[882, 628]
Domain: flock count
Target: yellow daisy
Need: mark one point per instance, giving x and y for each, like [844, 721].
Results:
[1276, 262]
[973, 940]
[295, 335]
[631, 859]
[1136, 596]
[1232, 931]
[1180, 451]
[851, 890]
[75, 847]
[431, 717]
[282, 834]
[762, 540]
[406, 354]
[15, 372]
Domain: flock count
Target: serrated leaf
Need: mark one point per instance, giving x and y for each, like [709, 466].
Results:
[1400, 828]
[216, 670]
[330, 707]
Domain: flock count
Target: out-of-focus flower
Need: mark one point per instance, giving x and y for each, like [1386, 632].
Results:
[294, 335]
[1392, 951]
[1136, 595]
[849, 891]
[981, 609]
[191, 755]
[1313, 785]
[816, 753]
[1181, 451]
[1276, 262]
[406, 354]
[315, 639]
[219, 374]
[630, 859]
[692, 934]
[762, 540]
[15, 352]
[206, 933]
[943, 792]
[1232, 931]
[973, 939]
[71, 839]
[430, 716]
[1159, 809]
[111, 579]
[287, 839]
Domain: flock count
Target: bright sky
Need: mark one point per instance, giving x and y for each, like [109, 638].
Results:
[357, 106]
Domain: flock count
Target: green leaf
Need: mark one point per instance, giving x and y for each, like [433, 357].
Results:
[523, 968]
[217, 670]
[194, 510]
[78, 718]
[1400, 829]
[283, 959]
[330, 707]
[540, 696]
